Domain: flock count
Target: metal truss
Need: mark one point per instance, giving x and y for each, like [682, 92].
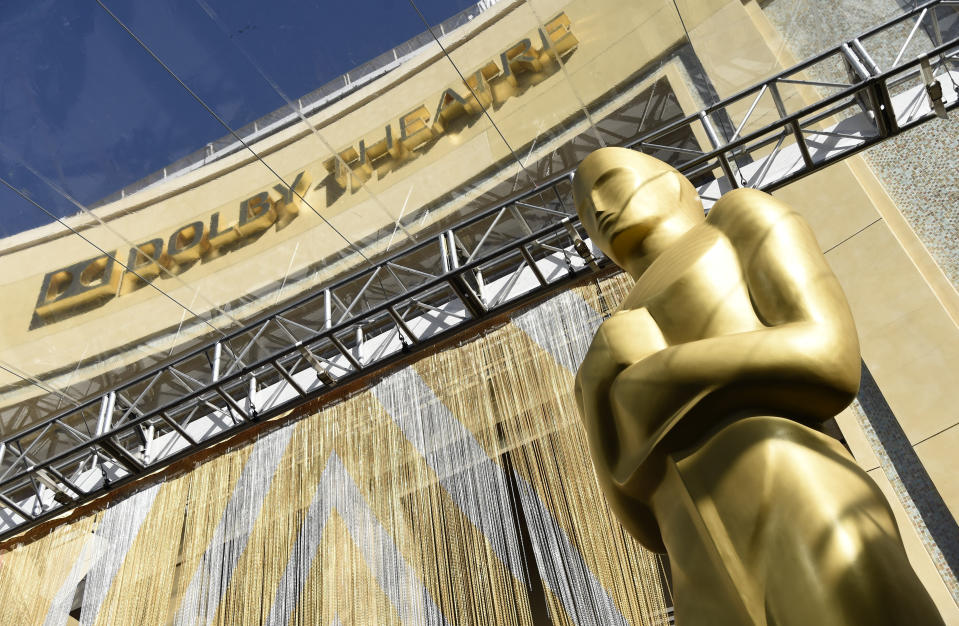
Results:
[526, 247]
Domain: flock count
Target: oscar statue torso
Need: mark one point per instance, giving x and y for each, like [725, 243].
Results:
[695, 290]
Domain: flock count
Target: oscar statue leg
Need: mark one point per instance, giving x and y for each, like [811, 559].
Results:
[770, 522]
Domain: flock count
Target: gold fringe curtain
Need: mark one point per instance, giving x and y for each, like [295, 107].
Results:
[458, 491]
[31, 575]
[518, 399]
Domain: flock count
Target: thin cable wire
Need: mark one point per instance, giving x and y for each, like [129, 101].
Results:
[102, 251]
[682, 22]
[196, 97]
[36, 382]
[562, 66]
[476, 97]
[66, 195]
[63, 193]
[223, 123]
[279, 91]
[214, 16]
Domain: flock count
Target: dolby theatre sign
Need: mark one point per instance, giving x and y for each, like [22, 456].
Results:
[91, 283]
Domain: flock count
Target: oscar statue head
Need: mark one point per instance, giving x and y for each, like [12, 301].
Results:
[633, 205]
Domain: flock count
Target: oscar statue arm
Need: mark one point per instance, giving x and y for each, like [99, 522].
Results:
[802, 364]
[623, 339]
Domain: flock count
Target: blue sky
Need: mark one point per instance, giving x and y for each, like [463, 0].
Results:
[83, 105]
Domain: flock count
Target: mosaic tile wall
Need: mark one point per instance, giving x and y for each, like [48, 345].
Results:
[918, 169]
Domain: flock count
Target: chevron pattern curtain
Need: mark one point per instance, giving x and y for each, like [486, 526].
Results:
[457, 490]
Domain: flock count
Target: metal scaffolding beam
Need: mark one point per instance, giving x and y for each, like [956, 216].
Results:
[517, 252]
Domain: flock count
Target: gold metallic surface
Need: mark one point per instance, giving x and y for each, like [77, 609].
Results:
[698, 395]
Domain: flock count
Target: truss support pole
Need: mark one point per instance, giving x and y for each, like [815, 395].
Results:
[217, 354]
[327, 309]
[723, 159]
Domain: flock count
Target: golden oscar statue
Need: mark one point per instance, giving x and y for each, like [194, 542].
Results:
[702, 395]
